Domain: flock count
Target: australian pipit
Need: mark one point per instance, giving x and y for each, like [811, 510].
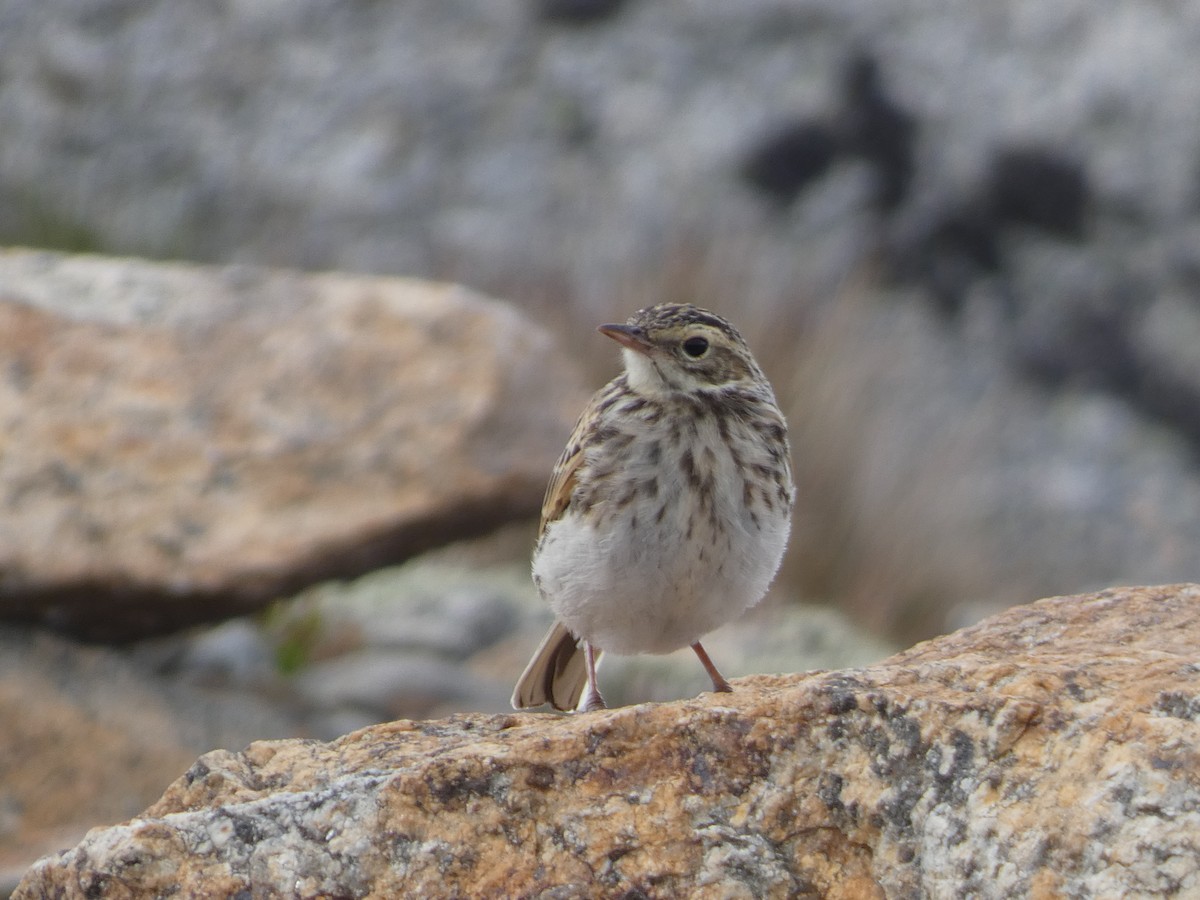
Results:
[668, 512]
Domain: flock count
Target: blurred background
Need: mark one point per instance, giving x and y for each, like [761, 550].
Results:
[964, 241]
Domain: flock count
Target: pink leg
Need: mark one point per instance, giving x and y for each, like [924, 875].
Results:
[592, 700]
[718, 680]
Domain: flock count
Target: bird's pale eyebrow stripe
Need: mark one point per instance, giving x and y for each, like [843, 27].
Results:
[712, 321]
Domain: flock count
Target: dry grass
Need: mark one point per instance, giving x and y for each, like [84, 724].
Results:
[867, 533]
[865, 539]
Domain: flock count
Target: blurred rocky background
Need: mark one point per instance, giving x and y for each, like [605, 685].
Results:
[238, 501]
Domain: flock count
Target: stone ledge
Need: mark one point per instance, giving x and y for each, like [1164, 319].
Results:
[1049, 750]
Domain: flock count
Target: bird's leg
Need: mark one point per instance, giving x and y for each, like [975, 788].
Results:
[720, 685]
[592, 700]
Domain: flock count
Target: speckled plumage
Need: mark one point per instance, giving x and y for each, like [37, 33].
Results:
[668, 512]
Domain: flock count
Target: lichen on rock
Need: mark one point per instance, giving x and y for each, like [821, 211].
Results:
[1048, 751]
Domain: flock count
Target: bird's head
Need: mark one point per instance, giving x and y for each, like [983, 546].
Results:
[679, 347]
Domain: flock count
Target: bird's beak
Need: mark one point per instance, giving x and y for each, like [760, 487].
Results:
[627, 336]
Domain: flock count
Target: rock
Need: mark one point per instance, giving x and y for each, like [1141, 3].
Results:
[1048, 751]
[775, 636]
[384, 682]
[87, 736]
[582, 141]
[183, 444]
[445, 634]
[90, 736]
[422, 606]
[233, 653]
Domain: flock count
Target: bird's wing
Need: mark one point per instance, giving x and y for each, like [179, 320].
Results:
[566, 470]
[557, 674]
[561, 486]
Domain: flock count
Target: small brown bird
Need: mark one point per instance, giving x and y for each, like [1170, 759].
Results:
[668, 512]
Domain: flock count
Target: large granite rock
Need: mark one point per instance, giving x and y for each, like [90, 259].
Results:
[90, 735]
[182, 444]
[1048, 751]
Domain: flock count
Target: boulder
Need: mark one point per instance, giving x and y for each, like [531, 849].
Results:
[1048, 751]
[88, 735]
[181, 444]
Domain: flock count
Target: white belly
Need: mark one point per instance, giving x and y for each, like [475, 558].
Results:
[650, 587]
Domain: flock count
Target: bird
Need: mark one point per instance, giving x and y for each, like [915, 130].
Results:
[668, 512]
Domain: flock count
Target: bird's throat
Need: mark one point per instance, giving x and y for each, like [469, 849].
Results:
[644, 376]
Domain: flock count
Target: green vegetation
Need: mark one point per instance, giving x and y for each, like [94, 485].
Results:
[295, 634]
[31, 220]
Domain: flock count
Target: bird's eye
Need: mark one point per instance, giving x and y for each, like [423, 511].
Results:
[695, 347]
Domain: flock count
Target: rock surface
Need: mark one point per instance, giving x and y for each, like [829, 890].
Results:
[1048, 751]
[88, 736]
[181, 444]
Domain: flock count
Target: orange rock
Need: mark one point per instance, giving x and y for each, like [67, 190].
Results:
[181, 443]
[1050, 750]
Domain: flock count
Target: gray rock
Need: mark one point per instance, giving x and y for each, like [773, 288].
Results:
[443, 610]
[777, 637]
[523, 150]
[234, 653]
[397, 643]
[390, 684]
